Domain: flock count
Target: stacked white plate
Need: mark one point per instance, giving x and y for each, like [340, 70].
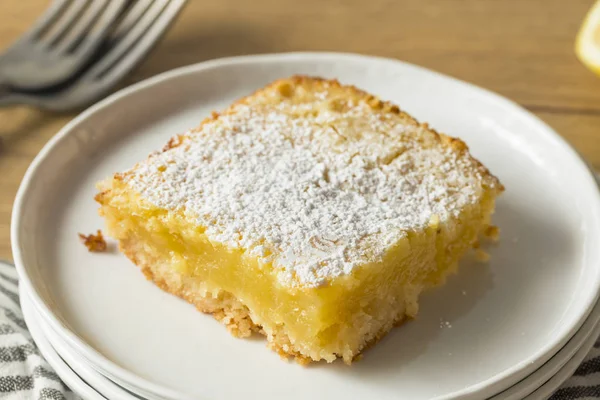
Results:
[511, 329]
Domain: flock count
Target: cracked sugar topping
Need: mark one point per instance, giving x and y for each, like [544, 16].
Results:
[314, 191]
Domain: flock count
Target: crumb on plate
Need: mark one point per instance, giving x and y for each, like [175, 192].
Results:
[94, 243]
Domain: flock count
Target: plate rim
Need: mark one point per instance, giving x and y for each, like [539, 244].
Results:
[51, 336]
[589, 331]
[567, 370]
[55, 360]
[543, 354]
[31, 313]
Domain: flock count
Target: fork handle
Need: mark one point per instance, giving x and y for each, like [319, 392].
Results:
[9, 98]
[4, 83]
[4, 87]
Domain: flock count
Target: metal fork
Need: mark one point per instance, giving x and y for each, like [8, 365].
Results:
[133, 37]
[59, 44]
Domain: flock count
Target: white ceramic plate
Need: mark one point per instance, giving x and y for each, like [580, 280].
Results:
[550, 376]
[506, 318]
[65, 361]
[554, 370]
[68, 376]
[548, 388]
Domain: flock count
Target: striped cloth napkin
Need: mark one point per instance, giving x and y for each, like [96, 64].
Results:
[24, 374]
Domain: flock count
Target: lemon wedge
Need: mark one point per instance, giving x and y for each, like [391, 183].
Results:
[587, 46]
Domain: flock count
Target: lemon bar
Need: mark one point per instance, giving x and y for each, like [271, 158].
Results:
[310, 212]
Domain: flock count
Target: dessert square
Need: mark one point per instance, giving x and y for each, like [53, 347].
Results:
[310, 212]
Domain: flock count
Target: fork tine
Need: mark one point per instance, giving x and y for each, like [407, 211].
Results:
[138, 39]
[101, 12]
[138, 9]
[124, 55]
[47, 18]
[81, 25]
[150, 33]
[65, 22]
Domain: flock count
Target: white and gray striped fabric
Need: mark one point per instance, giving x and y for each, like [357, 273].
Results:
[25, 375]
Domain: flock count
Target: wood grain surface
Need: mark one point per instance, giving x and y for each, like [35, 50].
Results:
[522, 49]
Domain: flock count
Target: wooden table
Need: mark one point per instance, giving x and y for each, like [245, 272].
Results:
[520, 49]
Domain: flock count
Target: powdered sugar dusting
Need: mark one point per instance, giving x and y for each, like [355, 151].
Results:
[315, 195]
